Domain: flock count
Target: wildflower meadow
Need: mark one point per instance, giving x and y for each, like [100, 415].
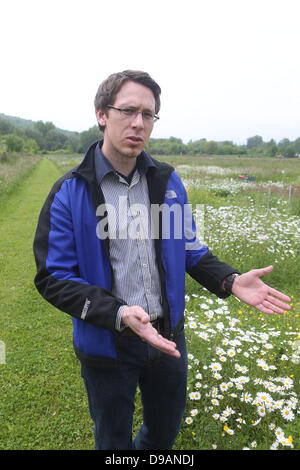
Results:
[244, 366]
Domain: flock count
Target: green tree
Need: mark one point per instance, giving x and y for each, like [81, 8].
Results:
[175, 146]
[271, 149]
[34, 133]
[210, 147]
[88, 137]
[44, 127]
[5, 127]
[31, 146]
[14, 143]
[73, 143]
[255, 141]
[228, 148]
[297, 145]
[289, 151]
[55, 140]
[196, 147]
[284, 143]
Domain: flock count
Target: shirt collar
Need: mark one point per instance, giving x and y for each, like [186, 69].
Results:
[103, 165]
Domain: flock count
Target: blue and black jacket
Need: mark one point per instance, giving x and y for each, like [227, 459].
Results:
[74, 272]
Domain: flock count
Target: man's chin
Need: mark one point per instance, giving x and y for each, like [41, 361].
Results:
[130, 152]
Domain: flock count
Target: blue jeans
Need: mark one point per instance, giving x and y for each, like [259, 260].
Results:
[162, 381]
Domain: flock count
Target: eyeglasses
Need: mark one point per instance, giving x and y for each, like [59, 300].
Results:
[131, 113]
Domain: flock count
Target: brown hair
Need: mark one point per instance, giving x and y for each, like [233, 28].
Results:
[109, 88]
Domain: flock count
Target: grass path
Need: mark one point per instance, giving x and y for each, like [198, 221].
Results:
[41, 392]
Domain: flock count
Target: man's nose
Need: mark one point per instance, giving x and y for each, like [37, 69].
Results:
[138, 120]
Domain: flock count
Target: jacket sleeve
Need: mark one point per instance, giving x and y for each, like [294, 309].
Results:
[58, 279]
[210, 272]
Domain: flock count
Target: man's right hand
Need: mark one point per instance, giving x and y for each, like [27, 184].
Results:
[138, 321]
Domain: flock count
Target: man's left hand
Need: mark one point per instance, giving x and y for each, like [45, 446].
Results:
[249, 288]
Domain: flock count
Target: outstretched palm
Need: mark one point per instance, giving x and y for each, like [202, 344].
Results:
[253, 291]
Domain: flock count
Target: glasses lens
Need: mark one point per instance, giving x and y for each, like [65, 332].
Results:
[148, 116]
[129, 112]
[133, 112]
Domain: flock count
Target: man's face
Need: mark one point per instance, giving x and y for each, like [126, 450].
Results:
[127, 137]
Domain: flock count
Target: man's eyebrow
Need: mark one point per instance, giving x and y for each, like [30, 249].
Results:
[128, 105]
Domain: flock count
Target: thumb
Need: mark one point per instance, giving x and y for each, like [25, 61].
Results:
[145, 318]
[141, 314]
[263, 271]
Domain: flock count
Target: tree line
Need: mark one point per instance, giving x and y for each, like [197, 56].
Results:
[255, 147]
[20, 135]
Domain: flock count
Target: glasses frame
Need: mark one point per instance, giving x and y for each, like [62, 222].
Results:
[121, 110]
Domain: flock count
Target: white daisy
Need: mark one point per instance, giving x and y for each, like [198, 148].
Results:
[246, 397]
[223, 386]
[188, 420]
[217, 376]
[231, 352]
[287, 413]
[279, 433]
[261, 410]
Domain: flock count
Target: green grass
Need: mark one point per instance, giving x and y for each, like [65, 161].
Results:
[43, 403]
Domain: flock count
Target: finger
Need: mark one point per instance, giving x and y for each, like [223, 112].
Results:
[264, 271]
[271, 306]
[167, 343]
[145, 318]
[279, 295]
[263, 309]
[159, 342]
[278, 303]
[141, 315]
[134, 315]
[164, 347]
[168, 350]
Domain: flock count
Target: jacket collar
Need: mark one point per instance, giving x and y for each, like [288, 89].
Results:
[157, 172]
[103, 165]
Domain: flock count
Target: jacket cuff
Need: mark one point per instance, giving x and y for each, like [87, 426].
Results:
[210, 272]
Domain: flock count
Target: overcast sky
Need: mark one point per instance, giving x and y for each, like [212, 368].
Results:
[228, 69]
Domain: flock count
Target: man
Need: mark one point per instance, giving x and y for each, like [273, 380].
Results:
[122, 281]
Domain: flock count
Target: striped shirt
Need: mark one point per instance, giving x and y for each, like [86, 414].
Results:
[132, 253]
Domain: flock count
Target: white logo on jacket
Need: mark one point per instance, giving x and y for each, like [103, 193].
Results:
[85, 308]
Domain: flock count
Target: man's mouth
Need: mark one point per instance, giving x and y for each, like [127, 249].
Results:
[134, 140]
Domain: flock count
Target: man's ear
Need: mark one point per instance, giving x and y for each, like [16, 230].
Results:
[101, 117]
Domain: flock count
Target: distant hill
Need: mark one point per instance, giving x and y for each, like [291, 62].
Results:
[16, 121]
[19, 134]
[25, 123]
